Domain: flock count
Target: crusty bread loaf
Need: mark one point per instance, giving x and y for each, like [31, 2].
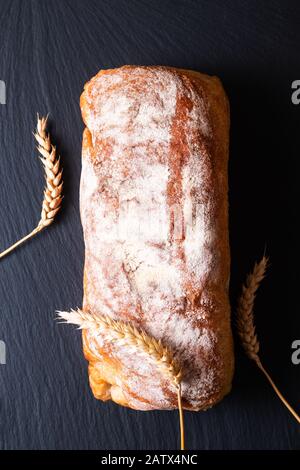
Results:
[154, 211]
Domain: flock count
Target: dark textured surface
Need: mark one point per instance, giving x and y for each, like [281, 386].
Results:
[48, 50]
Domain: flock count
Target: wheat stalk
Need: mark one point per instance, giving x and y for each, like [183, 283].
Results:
[245, 319]
[53, 190]
[125, 333]
[246, 326]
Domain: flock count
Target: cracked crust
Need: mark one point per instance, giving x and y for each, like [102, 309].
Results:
[154, 212]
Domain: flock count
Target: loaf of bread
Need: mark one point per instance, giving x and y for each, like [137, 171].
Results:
[154, 210]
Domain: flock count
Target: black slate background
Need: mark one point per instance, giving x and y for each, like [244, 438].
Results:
[48, 50]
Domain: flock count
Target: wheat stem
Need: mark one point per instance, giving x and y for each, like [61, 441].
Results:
[124, 333]
[277, 391]
[19, 242]
[53, 190]
[246, 326]
[181, 420]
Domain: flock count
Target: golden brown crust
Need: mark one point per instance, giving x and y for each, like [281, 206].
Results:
[157, 140]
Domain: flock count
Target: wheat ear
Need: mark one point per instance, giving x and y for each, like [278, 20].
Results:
[125, 333]
[53, 190]
[246, 326]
